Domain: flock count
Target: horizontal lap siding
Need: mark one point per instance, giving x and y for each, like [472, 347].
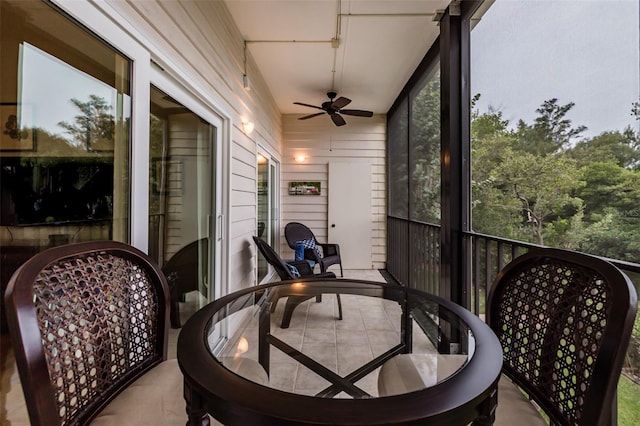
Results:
[202, 43]
[361, 140]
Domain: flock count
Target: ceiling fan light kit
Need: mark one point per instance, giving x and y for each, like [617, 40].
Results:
[334, 109]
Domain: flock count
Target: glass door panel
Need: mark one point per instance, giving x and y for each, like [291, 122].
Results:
[274, 203]
[268, 217]
[181, 199]
[264, 230]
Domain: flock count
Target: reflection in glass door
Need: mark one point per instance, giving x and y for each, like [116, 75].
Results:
[267, 207]
[263, 211]
[65, 103]
[181, 201]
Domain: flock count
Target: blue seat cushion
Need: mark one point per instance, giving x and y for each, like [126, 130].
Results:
[294, 271]
[311, 244]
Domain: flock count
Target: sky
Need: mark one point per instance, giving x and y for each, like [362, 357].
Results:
[581, 51]
[48, 85]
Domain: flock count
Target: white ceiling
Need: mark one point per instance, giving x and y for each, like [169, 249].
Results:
[381, 44]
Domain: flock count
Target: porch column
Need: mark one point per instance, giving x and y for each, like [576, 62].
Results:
[455, 272]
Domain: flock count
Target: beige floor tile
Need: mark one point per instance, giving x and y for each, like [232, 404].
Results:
[350, 326]
[308, 382]
[313, 335]
[323, 353]
[291, 336]
[348, 337]
[369, 383]
[282, 375]
[352, 357]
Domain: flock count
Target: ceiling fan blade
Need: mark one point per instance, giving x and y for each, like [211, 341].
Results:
[338, 120]
[311, 116]
[307, 105]
[341, 102]
[357, 112]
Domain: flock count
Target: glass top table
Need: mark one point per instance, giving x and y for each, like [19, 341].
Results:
[332, 352]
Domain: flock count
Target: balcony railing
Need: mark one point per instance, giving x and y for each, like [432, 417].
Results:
[413, 258]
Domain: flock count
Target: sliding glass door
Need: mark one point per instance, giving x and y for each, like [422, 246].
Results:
[182, 194]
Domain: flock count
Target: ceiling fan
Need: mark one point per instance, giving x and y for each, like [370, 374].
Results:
[334, 109]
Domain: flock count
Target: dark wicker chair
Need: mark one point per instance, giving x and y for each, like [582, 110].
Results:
[183, 274]
[295, 231]
[89, 324]
[564, 320]
[285, 273]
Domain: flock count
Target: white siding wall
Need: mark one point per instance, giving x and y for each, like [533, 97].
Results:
[198, 42]
[361, 140]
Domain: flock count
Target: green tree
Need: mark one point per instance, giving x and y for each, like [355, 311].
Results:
[95, 123]
[613, 236]
[495, 210]
[522, 184]
[551, 131]
[424, 146]
[543, 185]
[606, 186]
[616, 147]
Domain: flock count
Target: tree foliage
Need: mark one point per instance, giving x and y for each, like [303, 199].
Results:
[95, 122]
[424, 148]
[543, 182]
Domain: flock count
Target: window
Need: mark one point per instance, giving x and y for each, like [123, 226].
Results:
[413, 147]
[397, 148]
[424, 149]
[64, 148]
[414, 151]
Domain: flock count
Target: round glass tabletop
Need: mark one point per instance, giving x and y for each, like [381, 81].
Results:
[316, 352]
[274, 349]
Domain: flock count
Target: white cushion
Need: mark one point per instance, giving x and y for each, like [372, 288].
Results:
[411, 372]
[514, 408]
[157, 398]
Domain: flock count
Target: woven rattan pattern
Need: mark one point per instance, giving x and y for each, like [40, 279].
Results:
[97, 316]
[559, 359]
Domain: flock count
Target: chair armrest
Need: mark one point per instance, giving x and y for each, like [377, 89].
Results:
[302, 266]
[310, 254]
[330, 249]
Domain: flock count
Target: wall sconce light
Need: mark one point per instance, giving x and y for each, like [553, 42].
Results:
[300, 158]
[247, 126]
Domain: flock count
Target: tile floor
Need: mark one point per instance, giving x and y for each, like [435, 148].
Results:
[370, 327]
[362, 346]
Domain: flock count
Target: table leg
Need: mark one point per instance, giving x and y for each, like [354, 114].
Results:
[197, 415]
[488, 410]
[264, 330]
